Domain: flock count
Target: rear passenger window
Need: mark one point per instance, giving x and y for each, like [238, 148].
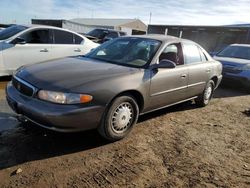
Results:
[192, 53]
[63, 37]
[78, 39]
[203, 56]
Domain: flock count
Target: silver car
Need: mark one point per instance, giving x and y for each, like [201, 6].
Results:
[21, 45]
[112, 85]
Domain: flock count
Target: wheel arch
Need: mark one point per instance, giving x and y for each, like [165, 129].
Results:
[215, 80]
[135, 94]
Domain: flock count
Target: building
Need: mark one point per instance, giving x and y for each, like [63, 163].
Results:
[212, 38]
[84, 25]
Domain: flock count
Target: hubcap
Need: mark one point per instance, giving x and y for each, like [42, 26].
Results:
[208, 93]
[122, 117]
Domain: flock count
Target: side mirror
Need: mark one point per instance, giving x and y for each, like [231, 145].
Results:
[19, 40]
[165, 63]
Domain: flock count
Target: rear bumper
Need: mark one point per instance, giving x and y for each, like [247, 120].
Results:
[57, 117]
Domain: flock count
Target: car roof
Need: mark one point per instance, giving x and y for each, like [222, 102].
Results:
[46, 26]
[243, 45]
[105, 29]
[38, 26]
[30, 26]
[163, 38]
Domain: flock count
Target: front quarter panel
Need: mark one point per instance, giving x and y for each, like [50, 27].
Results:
[216, 71]
[105, 90]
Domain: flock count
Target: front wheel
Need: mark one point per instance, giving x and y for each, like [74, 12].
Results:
[119, 118]
[205, 97]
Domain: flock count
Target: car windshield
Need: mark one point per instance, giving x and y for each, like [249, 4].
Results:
[129, 51]
[98, 33]
[241, 52]
[11, 31]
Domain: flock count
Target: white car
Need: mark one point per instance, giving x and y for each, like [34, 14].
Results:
[21, 45]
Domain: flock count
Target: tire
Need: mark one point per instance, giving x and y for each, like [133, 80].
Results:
[119, 118]
[204, 99]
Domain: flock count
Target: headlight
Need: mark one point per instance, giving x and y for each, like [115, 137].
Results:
[64, 98]
[244, 68]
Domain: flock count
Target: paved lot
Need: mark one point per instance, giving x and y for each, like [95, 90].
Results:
[180, 146]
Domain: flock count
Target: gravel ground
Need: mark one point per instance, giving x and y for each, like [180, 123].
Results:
[181, 146]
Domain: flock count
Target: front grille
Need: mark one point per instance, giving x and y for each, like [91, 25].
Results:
[23, 87]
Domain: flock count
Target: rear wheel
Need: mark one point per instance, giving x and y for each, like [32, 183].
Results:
[119, 118]
[205, 97]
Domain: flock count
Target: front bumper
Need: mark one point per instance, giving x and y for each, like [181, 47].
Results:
[237, 78]
[57, 117]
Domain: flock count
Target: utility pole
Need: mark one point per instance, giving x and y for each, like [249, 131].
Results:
[150, 16]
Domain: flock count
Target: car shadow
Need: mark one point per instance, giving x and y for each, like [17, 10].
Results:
[189, 105]
[3, 81]
[230, 90]
[27, 142]
[20, 143]
[5, 78]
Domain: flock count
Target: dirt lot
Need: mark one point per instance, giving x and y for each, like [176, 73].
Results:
[182, 146]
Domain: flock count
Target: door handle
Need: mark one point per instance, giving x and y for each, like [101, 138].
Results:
[44, 50]
[77, 50]
[183, 76]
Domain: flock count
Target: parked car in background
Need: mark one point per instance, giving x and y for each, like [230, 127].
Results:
[236, 63]
[112, 85]
[103, 35]
[21, 45]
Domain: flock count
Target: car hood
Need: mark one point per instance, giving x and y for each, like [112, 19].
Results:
[69, 73]
[227, 61]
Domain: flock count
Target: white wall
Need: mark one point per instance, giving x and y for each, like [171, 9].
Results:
[77, 28]
[127, 30]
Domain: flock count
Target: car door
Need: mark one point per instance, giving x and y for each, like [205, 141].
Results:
[83, 46]
[169, 86]
[199, 68]
[35, 49]
[67, 44]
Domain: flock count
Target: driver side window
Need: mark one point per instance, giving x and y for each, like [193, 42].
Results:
[173, 52]
[40, 36]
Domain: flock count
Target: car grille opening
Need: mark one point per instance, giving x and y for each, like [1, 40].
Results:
[23, 87]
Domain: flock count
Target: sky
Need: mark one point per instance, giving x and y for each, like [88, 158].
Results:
[174, 12]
